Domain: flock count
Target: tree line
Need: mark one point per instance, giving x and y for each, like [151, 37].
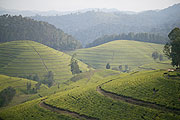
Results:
[143, 37]
[48, 79]
[172, 48]
[24, 28]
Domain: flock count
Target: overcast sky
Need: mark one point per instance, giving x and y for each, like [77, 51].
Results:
[70, 5]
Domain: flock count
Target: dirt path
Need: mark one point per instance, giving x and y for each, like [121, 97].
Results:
[136, 101]
[63, 111]
[39, 56]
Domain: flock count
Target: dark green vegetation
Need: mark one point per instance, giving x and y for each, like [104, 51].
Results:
[172, 49]
[6, 96]
[74, 66]
[143, 37]
[91, 25]
[22, 28]
[32, 60]
[126, 54]
[81, 97]
[14, 90]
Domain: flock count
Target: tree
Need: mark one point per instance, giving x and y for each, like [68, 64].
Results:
[160, 57]
[37, 86]
[6, 96]
[120, 67]
[172, 48]
[126, 68]
[28, 86]
[36, 78]
[155, 55]
[49, 79]
[108, 66]
[23, 28]
[74, 66]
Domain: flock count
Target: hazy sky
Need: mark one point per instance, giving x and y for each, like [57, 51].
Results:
[69, 5]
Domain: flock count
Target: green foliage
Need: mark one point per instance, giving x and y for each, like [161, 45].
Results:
[172, 49]
[108, 66]
[28, 85]
[160, 57]
[120, 67]
[143, 37]
[20, 85]
[6, 96]
[49, 79]
[155, 55]
[23, 28]
[126, 68]
[74, 66]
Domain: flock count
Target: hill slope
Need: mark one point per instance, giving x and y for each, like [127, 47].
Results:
[19, 84]
[84, 99]
[152, 86]
[120, 52]
[22, 28]
[23, 58]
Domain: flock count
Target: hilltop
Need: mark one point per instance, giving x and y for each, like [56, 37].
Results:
[28, 58]
[120, 52]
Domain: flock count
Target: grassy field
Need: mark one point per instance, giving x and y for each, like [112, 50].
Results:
[31, 111]
[122, 52]
[152, 86]
[19, 58]
[20, 86]
[80, 95]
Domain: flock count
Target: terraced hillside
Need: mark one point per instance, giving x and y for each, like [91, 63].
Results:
[19, 84]
[20, 58]
[83, 97]
[121, 52]
[153, 86]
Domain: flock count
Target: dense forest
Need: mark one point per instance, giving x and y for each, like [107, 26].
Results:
[91, 25]
[24, 28]
[143, 37]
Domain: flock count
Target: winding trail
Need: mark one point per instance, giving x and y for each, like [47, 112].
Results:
[63, 111]
[136, 101]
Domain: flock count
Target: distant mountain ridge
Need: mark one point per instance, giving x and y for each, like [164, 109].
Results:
[90, 25]
[55, 12]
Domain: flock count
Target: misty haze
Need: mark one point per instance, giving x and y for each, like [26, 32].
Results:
[95, 60]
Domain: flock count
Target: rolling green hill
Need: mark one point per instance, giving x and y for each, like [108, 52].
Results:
[151, 86]
[120, 52]
[82, 96]
[23, 58]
